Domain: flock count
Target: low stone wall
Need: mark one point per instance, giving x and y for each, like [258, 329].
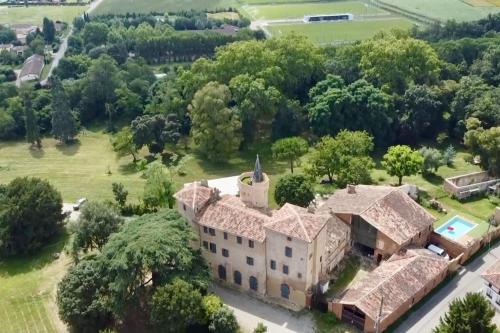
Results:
[456, 249]
[460, 186]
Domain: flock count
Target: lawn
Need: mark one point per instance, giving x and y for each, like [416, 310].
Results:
[147, 6]
[35, 14]
[293, 11]
[27, 291]
[323, 33]
[443, 9]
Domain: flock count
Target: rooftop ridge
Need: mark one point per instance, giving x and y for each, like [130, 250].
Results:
[289, 207]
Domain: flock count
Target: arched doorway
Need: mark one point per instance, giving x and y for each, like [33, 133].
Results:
[222, 272]
[237, 278]
[285, 291]
[254, 285]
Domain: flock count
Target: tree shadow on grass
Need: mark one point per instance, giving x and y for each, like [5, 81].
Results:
[36, 153]
[69, 149]
[127, 169]
[26, 263]
[433, 178]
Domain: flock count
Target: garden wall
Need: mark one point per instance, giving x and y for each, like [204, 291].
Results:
[460, 186]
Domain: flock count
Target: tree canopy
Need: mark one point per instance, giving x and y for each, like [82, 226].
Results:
[290, 150]
[402, 161]
[294, 189]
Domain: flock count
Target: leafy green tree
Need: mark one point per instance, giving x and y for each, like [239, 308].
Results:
[485, 143]
[97, 221]
[176, 306]
[7, 125]
[290, 149]
[73, 67]
[211, 303]
[79, 296]
[421, 113]
[261, 328]
[155, 131]
[449, 155]
[64, 125]
[148, 252]
[159, 187]
[31, 123]
[486, 108]
[345, 156]
[471, 314]
[488, 66]
[128, 103]
[120, 194]
[123, 143]
[294, 189]
[30, 215]
[99, 86]
[255, 101]
[359, 106]
[49, 30]
[37, 45]
[223, 321]
[402, 161]
[397, 62]
[432, 159]
[215, 126]
[95, 33]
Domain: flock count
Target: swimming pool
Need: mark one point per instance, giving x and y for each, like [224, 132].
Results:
[455, 228]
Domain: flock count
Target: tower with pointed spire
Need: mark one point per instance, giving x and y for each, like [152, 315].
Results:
[254, 187]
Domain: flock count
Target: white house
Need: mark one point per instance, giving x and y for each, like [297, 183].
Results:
[491, 288]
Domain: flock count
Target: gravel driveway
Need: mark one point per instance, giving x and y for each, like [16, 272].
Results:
[250, 311]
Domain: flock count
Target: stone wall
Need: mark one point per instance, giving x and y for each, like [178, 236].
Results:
[459, 186]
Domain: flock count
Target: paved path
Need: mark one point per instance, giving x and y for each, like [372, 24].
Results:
[468, 280]
[250, 311]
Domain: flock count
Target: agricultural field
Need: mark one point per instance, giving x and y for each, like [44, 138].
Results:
[35, 14]
[324, 33]
[448, 9]
[147, 6]
[292, 11]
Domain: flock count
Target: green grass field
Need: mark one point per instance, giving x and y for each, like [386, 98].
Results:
[291, 11]
[443, 9]
[35, 14]
[146, 6]
[323, 33]
[27, 291]
[271, 2]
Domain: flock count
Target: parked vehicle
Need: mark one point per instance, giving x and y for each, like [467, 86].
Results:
[79, 203]
[439, 251]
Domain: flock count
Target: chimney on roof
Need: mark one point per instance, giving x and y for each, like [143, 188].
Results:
[204, 183]
[351, 189]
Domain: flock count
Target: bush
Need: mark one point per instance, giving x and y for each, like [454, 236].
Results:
[31, 215]
[294, 189]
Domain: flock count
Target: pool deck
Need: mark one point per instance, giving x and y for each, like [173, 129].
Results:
[479, 229]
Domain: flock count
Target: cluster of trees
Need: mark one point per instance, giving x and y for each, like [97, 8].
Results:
[30, 215]
[141, 273]
[147, 37]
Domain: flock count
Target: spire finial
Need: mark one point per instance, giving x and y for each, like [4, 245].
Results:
[257, 172]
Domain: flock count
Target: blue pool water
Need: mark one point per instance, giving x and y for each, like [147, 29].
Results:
[459, 225]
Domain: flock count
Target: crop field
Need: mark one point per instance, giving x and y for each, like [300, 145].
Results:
[445, 9]
[323, 33]
[35, 14]
[293, 11]
[147, 6]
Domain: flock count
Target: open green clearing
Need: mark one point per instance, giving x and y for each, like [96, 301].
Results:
[341, 31]
[27, 291]
[147, 6]
[35, 14]
[291, 11]
[271, 2]
[443, 9]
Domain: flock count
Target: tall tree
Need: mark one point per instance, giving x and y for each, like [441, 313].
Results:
[485, 143]
[49, 30]
[471, 314]
[294, 189]
[31, 122]
[402, 161]
[64, 125]
[215, 126]
[290, 149]
[433, 159]
[159, 187]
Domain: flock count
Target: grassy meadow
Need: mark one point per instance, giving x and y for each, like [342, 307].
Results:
[147, 6]
[35, 14]
[324, 33]
[444, 9]
[298, 10]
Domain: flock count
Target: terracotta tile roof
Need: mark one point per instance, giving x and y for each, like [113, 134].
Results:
[492, 274]
[230, 214]
[398, 279]
[33, 66]
[337, 229]
[194, 195]
[297, 222]
[388, 209]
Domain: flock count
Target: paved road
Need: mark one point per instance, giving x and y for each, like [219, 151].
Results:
[469, 280]
[250, 311]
